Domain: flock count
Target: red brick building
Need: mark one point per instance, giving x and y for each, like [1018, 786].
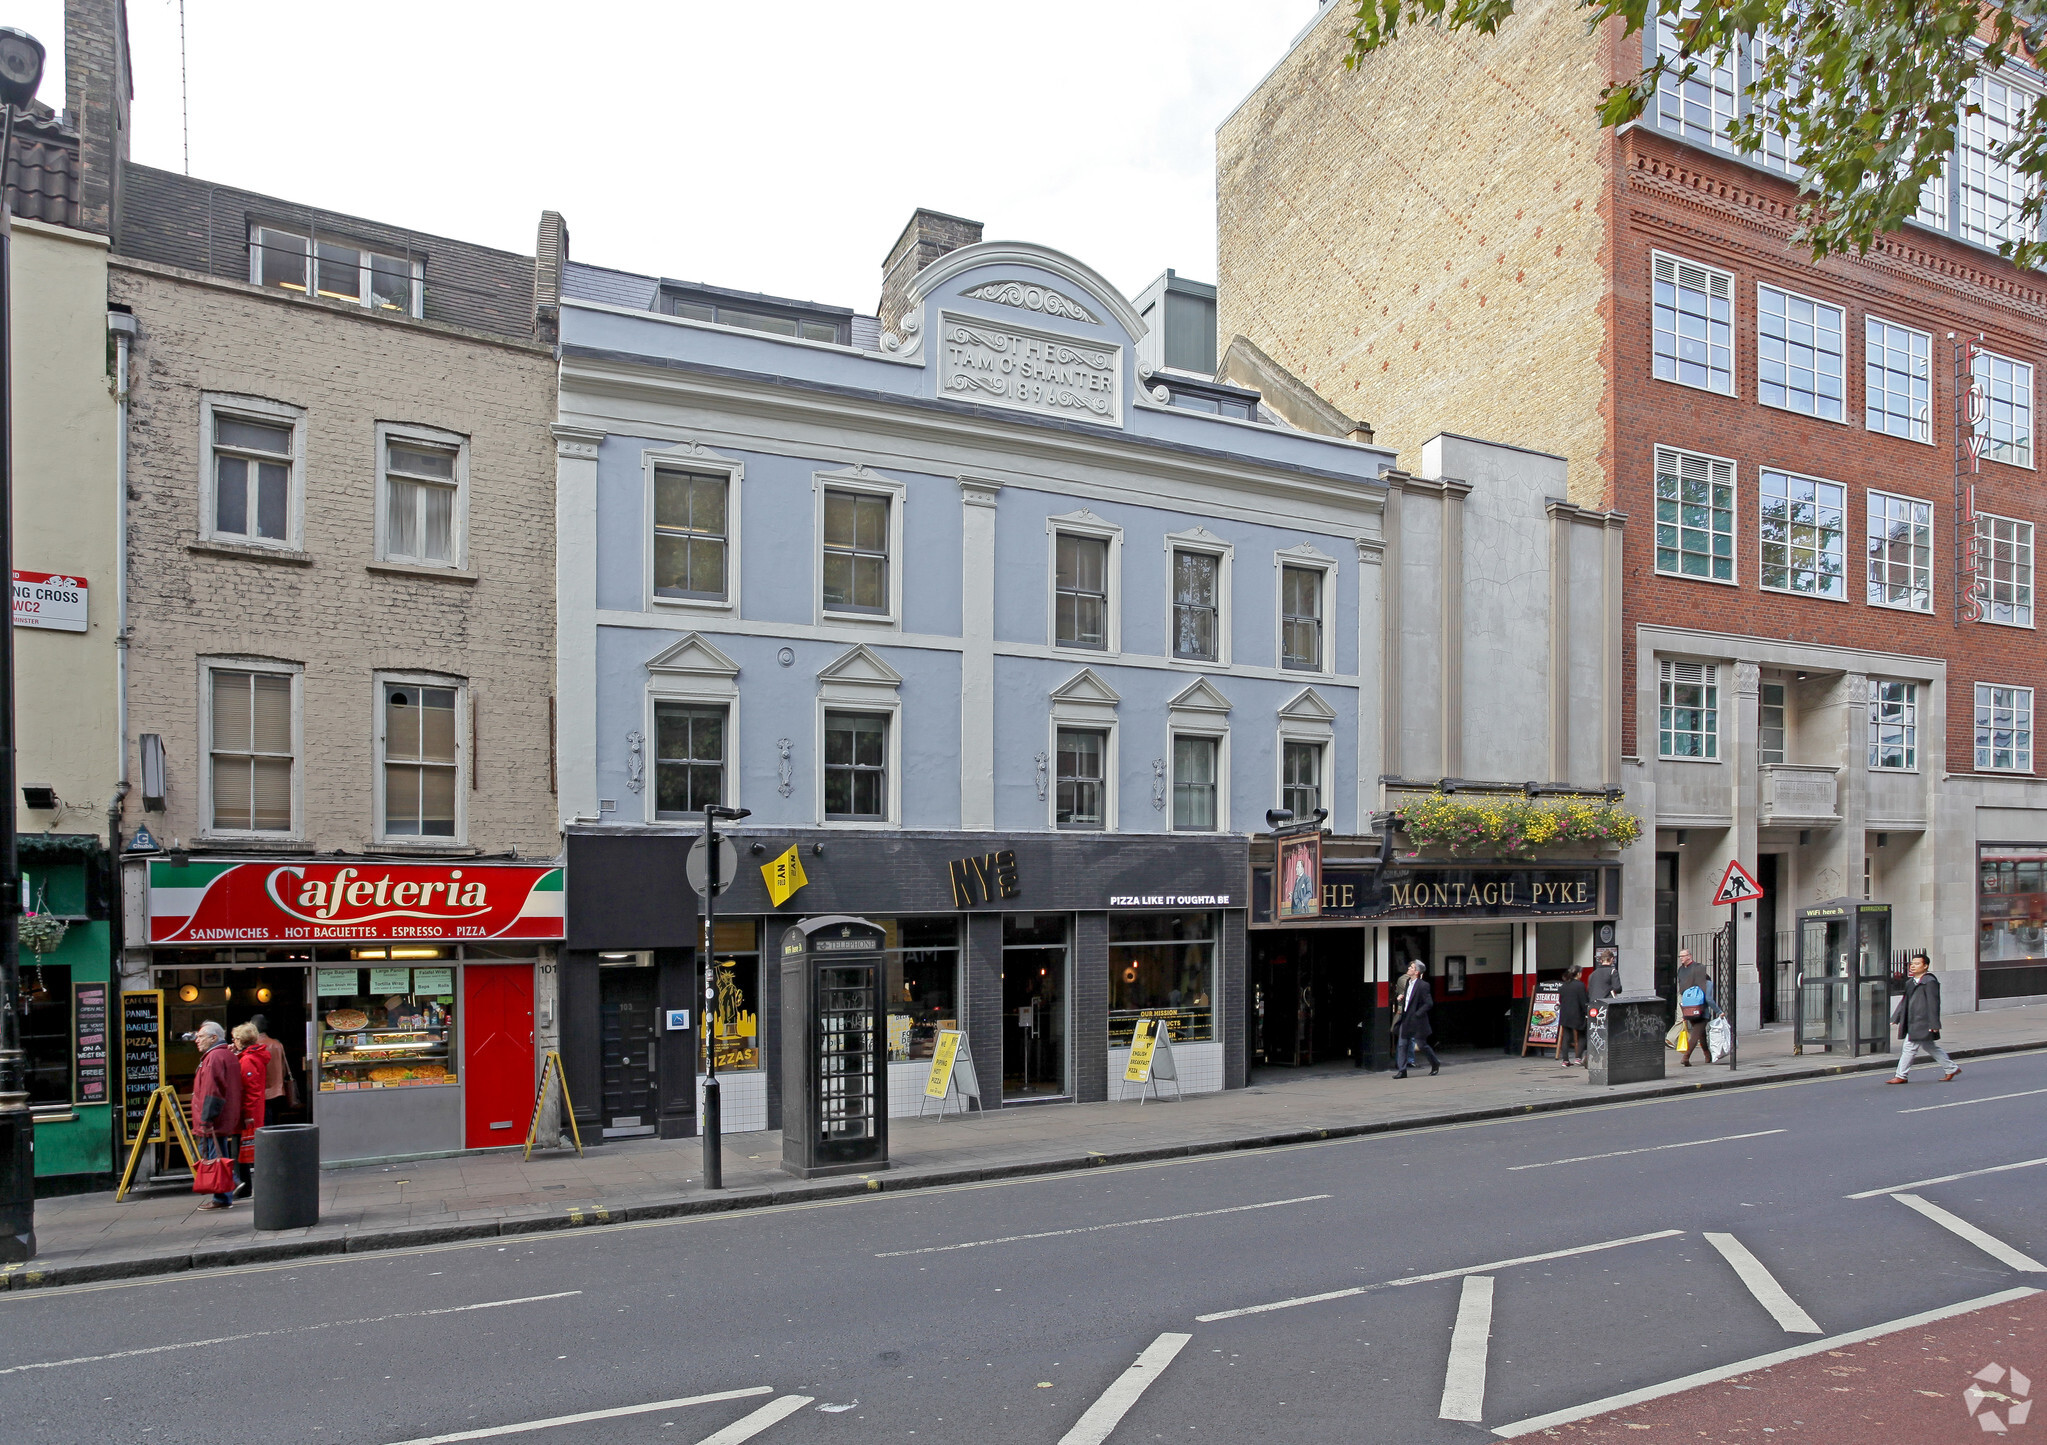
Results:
[1830, 641]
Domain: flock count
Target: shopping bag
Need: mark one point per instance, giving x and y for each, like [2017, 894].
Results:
[1672, 1034]
[213, 1176]
[1719, 1039]
[1684, 1040]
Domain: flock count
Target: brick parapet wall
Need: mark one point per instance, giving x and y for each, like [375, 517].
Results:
[342, 622]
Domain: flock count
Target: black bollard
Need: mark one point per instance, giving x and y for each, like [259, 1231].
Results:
[286, 1183]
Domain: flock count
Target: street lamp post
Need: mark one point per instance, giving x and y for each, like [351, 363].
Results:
[21, 71]
[713, 1122]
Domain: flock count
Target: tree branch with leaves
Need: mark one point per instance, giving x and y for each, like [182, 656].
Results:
[1868, 96]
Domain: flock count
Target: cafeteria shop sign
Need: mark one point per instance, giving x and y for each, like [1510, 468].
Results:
[313, 902]
[50, 600]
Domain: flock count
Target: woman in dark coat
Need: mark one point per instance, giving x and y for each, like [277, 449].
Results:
[1574, 1008]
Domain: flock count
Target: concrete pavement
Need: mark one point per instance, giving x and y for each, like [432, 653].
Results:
[90, 1237]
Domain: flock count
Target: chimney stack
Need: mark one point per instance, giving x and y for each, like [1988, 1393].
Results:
[929, 235]
[97, 90]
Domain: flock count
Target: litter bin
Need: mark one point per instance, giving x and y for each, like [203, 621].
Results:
[1624, 1045]
[286, 1183]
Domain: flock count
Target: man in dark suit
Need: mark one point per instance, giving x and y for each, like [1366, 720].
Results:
[1416, 1000]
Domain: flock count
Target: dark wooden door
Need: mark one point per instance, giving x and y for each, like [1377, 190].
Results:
[626, 1032]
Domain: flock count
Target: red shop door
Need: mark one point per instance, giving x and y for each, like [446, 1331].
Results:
[497, 1060]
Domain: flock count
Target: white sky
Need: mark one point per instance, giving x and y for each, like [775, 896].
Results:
[771, 147]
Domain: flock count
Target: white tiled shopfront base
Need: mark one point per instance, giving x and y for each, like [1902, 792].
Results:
[742, 1102]
[1200, 1067]
[906, 1088]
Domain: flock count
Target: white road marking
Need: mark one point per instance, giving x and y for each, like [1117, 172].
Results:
[1763, 1285]
[1986, 1099]
[1498, 1264]
[1093, 1427]
[1947, 1178]
[1094, 1228]
[1464, 1376]
[1749, 1366]
[1651, 1149]
[749, 1425]
[587, 1415]
[1996, 1248]
[284, 1330]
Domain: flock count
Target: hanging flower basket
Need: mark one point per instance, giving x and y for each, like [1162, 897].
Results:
[1516, 827]
[42, 932]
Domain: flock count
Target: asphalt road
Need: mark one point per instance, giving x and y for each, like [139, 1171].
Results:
[1033, 1311]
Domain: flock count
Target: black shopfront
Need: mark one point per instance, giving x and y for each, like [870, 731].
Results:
[1043, 949]
[1486, 932]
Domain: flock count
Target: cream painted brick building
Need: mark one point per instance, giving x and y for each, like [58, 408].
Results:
[1422, 240]
[325, 604]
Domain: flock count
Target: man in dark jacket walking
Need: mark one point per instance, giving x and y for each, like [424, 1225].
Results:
[1917, 1015]
[1692, 974]
[1416, 1000]
[217, 1101]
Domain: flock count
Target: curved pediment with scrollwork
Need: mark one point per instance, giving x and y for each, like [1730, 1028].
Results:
[1029, 296]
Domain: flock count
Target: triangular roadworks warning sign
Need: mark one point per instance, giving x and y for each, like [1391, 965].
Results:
[1737, 885]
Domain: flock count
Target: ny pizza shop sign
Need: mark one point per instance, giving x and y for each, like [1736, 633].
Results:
[201, 903]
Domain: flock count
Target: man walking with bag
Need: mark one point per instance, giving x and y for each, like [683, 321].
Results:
[1695, 1004]
[217, 1106]
[1917, 1015]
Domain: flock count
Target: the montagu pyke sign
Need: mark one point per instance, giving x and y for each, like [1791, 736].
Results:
[1452, 893]
[295, 902]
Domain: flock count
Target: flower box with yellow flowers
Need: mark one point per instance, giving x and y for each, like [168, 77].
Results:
[1511, 826]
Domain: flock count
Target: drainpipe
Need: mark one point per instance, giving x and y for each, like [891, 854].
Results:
[124, 329]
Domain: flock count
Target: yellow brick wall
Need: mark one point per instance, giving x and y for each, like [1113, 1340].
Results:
[1422, 239]
[340, 620]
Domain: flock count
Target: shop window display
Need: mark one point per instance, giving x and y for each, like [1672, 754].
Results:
[2011, 954]
[383, 1028]
[736, 1022]
[923, 984]
[1162, 965]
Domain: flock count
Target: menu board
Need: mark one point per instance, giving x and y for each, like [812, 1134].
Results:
[1543, 1021]
[391, 980]
[338, 982]
[141, 1058]
[433, 980]
[89, 1049]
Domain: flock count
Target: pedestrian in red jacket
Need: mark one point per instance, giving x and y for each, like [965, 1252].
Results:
[254, 1059]
[217, 1101]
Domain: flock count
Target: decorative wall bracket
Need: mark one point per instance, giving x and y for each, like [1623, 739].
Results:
[635, 761]
[787, 785]
[1158, 784]
[1043, 766]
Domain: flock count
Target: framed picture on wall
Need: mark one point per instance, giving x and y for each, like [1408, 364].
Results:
[1298, 892]
[1453, 973]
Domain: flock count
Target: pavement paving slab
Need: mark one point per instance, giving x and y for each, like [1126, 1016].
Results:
[396, 1205]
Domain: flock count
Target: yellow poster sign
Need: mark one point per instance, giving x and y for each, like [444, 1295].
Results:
[1142, 1043]
[783, 877]
[942, 1057]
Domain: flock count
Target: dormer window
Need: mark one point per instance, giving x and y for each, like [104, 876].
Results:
[334, 270]
[749, 312]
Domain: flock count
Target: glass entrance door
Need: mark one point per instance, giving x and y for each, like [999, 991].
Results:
[1034, 1006]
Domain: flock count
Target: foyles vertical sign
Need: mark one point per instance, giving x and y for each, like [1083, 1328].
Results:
[983, 879]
